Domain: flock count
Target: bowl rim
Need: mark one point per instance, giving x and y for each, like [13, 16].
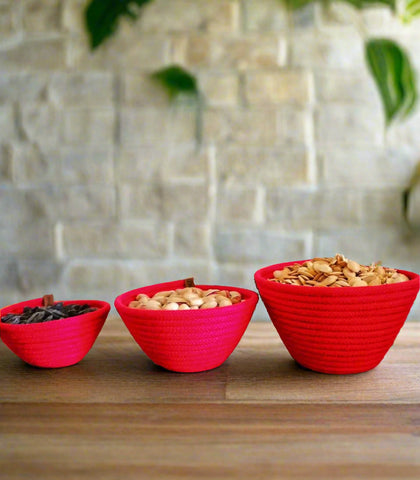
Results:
[102, 308]
[262, 274]
[121, 301]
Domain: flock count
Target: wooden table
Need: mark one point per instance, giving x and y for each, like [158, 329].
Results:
[259, 416]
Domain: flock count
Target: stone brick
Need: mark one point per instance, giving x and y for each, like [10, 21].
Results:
[320, 51]
[370, 244]
[23, 87]
[267, 166]
[294, 126]
[44, 200]
[381, 207]
[381, 21]
[217, 16]
[142, 126]
[88, 126]
[258, 245]
[236, 274]
[181, 202]
[288, 86]
[85, 89]
[192, 239]
[265, 16]
[105, 278]
[34, 54]
[170, 163]
[139, 164]
[230, 52]
[140, 90]
[30, 238]
[33, 166]
[87, 202]
[7, 123]
[167, 271]
[184, 162]
[141, 52]
[5, 164]
[8, 19]
[72, 16]
[38, 277]
[20, 207]
[42, 16]
[220, 89]
[240, 126]
[140, 201]
[84, 165]
[304, 18]
[337, 17]
[364, 167]
[146, 126]
[352, 125]
[346, 87]
[25, 206]
[40, 123]
[8, 275]
[145, 240]
[238, 204]
[405, 134]
[10, 296]
[313, 208]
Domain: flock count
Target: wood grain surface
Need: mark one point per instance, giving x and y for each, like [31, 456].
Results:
[115, 415]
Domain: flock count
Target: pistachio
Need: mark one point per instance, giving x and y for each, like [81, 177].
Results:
[188, 298]
[337, 271]
[171, 306]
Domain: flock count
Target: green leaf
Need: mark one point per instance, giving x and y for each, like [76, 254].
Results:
[414, 181]
[297, 4]
[102, 16]
[360, 4]
[411, 11]
[176, 80]
[394, 77]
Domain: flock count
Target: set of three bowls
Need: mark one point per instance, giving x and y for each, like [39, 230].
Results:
[328, 330]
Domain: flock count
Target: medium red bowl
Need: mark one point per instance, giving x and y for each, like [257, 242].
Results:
[57, 343]
[337, 330]
[187, 340]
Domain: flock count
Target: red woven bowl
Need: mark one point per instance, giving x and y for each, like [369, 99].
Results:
[57, 343]
[336, 330]
[187, 340]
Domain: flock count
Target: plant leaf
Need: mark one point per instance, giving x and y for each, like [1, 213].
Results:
[414, 182]
[102, 16]
[297, 4]
[411, 10]
[394, 77]
[360, 4]
[176, 80]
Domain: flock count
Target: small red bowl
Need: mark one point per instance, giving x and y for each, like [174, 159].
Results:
[187, 340]
[337, 330]
[57, 343]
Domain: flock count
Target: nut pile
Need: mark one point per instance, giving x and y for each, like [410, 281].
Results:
[47, 313]
[337, 271]
[188, 298]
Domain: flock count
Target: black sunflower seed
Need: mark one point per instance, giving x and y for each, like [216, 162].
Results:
[47, 314]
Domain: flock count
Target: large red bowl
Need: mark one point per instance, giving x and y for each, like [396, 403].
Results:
[187, 340]
[57, 343]
[336, 330]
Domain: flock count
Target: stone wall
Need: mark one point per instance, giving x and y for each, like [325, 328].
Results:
[106, 186]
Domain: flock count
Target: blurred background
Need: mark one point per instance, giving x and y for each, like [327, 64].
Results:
[107, 185]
